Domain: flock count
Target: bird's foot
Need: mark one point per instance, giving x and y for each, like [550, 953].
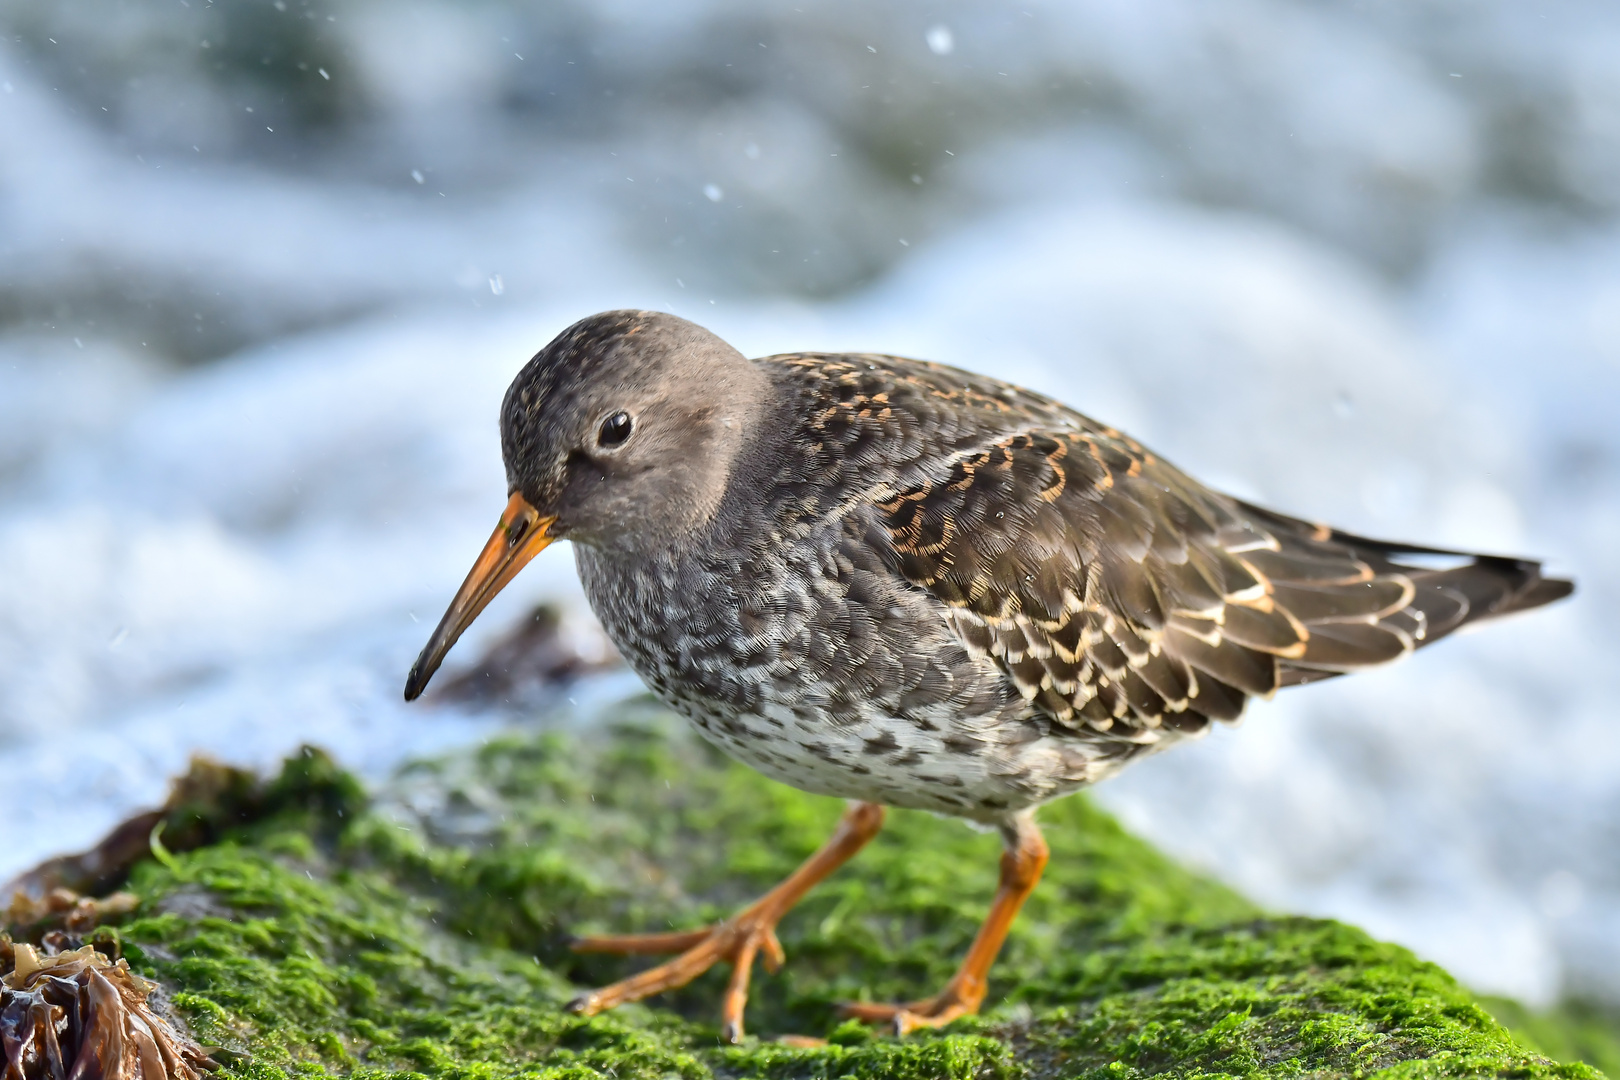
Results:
[961, 997]
[736, 941]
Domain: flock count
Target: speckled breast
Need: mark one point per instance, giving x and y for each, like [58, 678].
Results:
[819, 668]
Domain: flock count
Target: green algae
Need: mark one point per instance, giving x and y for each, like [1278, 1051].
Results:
[1574, 1030]
[425, 931]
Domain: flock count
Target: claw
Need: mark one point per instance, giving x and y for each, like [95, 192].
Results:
[950, 1004]
[906, 1021]
[773, 957]
[736, 999]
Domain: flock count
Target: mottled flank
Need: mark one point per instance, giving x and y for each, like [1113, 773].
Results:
[423, 932]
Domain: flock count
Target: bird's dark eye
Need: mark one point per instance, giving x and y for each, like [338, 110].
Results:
[615, 429]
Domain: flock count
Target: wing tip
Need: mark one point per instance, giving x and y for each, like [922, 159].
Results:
[1540, 592]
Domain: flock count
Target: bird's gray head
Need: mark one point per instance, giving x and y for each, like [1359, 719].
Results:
[624, 429]
[621, 434]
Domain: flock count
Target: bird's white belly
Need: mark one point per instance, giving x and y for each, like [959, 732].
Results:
[890, 761]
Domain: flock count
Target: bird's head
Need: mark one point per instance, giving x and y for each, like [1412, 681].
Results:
[620, 434]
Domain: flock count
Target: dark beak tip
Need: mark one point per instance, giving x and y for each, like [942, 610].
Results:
[415, 683]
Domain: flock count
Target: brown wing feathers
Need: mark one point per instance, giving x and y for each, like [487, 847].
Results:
[1121, 595]
[1440, 600]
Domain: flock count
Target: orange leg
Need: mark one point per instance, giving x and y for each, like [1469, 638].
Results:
[1022, 861]
[738, 940]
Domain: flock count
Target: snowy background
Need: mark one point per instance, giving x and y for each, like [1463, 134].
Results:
[266, 267]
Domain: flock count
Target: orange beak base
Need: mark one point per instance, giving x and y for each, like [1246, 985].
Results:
[521, 535]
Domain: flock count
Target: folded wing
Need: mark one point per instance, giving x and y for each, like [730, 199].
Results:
[1122, 596]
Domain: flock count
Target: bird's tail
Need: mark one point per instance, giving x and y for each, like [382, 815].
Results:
[1450, 589]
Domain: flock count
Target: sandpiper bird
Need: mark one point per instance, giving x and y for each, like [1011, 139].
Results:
[908, 585]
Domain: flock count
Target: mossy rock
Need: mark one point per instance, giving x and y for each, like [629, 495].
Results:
[1573, 1030]
[425, 931]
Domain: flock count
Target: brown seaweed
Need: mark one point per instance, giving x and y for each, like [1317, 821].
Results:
[77, 1015]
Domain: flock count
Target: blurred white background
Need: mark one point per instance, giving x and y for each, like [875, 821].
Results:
[266, 267]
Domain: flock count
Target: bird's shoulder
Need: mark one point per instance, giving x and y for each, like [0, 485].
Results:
[853, 426]
[872, 408]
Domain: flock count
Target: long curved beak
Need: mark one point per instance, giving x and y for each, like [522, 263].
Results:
[521, 535]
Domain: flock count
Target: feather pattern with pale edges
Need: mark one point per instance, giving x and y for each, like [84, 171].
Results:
[1117, 594]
